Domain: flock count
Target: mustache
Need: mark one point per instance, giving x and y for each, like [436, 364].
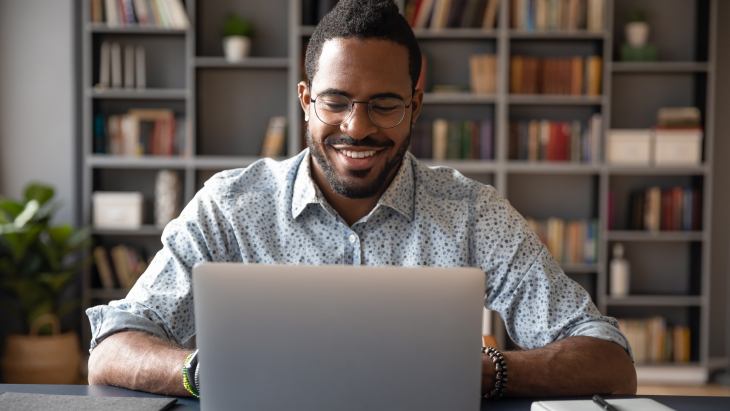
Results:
[347, 140]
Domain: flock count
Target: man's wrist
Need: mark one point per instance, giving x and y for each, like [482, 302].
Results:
[488, 376]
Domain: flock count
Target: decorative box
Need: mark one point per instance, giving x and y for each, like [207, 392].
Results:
[629, 147]
[117, 210]
[678, 147]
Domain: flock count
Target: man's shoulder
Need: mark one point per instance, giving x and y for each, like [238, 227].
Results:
[264, 175]
[446, 183]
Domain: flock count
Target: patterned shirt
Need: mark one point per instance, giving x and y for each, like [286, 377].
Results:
[273, 213]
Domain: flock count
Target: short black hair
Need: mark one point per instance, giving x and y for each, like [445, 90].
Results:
[365, 19]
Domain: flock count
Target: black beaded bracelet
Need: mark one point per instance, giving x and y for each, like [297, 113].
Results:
[500, 367]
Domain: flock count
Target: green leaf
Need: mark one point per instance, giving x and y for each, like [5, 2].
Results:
[28, 213]
[45, 307]
[38, 192]
[11, 207]
[60, 233]
[52, 257]
[56, 282]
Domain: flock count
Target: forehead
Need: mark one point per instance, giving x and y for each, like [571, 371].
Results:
[363, 66]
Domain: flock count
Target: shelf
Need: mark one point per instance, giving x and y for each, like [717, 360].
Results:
[108, 294]
[636, 235]
[109, 161]
[660, 67]
[558, 35]
[552, 99]
[455, 33]
[251, 62]
[137, 94]
[654, 170]
[104, 28]
[457, 98]
[224, 162]
[555, 167]
[657, 300]
[464, 166]
[579, 268]
[145, 230]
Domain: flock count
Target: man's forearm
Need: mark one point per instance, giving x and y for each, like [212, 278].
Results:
[139, 361]
[571, 366]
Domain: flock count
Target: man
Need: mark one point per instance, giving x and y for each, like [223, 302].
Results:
[357, 197]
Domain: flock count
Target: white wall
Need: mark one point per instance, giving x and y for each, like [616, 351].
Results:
[37, 113]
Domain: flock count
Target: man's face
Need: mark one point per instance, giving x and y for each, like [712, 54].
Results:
[357, 157]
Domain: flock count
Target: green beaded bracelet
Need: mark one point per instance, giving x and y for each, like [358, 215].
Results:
[186, 381]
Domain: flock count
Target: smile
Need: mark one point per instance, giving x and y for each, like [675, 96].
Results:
[357, 154]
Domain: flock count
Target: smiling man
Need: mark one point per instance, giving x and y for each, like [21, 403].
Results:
[357, 197]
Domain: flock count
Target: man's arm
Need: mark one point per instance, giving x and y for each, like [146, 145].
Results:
[139, 361]
[571, 366]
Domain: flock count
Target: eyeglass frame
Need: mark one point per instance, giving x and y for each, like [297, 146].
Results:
[352, 108]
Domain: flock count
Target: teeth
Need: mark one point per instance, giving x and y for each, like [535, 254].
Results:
[357, 154]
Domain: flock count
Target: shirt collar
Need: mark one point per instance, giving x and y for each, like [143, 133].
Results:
[399, 196]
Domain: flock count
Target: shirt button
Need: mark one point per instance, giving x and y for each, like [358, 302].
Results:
[352, 238]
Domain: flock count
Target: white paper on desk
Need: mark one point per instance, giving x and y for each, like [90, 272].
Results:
[636, 404]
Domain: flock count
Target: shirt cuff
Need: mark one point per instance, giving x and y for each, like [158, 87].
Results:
[604, 331]
[107, 320]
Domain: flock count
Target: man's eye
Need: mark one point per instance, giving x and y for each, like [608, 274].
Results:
[335, 106]
[384, 109]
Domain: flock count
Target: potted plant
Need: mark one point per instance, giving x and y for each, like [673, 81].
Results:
[38, 261]
[637, 29]
[237, 33]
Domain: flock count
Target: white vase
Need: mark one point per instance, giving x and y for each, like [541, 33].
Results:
[637, 33]
[236, 48]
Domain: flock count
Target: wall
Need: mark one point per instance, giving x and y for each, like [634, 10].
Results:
[37, 106]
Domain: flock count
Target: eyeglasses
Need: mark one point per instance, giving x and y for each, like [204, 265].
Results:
[384, 112]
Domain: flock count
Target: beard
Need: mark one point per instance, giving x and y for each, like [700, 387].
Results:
[354, 184]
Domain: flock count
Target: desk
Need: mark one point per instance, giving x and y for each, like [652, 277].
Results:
[191, 404]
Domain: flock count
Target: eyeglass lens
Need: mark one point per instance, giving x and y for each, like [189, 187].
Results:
[334, 109]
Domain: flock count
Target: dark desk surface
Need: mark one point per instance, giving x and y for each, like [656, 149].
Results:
[186, 404]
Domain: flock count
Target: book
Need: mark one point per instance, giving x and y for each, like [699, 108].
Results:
[486, 145]
[274, 138]
[111, 15]
[482, 73]
[116, 65]
[104, 65]
[490, 15]
[97, 12]
[595, 15]
[129, 66]
[140, 69]
[102, 266]
[141, 12]
[440, 139]
[120, 259]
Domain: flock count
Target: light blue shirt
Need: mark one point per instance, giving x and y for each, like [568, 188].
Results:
[273, 213]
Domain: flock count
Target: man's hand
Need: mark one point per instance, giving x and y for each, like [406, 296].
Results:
[571, 366]
[139, 361]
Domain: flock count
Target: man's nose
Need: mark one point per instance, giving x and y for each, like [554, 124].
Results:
[359, 125]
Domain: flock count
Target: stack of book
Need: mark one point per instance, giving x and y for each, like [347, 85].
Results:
[571, 242]
[575, 75]
[441, 14]
[141, 132]
[117, 69]
[544, 140]
[542, 15]
[653, 341]
[128, 264]
[669, 209]
[168, 14]
[453, 140]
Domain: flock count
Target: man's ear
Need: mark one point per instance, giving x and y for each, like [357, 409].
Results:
[417, 103]
[304, 98]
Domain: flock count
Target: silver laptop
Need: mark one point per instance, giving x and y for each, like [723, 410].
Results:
[274, 337]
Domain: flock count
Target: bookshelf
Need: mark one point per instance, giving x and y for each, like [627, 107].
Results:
[187, 73]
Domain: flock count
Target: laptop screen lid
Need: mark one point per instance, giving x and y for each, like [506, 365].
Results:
[338, 337]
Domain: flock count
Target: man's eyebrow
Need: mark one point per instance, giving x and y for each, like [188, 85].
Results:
[348, 95]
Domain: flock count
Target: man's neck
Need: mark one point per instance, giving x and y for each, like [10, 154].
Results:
[351, 210]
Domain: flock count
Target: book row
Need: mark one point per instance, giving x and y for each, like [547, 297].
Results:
[169, 14]
[569, 242]
[545, 140]
[441, 14]
[543, 15]
[453, 140]
[117, 70]
[669, 209]
[141, 132]
[652, 340]
[575, 75]
[126, 265]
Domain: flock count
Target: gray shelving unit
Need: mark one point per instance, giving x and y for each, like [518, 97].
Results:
[228, 106]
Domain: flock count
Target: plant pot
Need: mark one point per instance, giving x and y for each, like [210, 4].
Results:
[236, 48]
[637, 33]
[35, 359]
